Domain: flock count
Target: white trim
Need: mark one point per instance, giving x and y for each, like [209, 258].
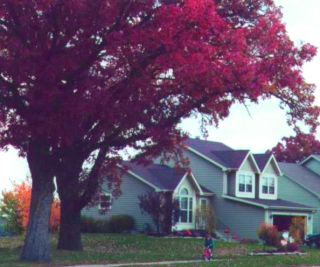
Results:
[308, 158]
[267, 218]
[99, 204]
[268, 196]
[187, 174]
[245, 194]
[253, 160]
[275, 162]
[206, 158]
[294, 214]
[225, 183]
[196, 182]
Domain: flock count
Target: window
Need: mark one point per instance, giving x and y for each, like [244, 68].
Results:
[245, 183]
[186, 206]
[268, 185]
[105, 201]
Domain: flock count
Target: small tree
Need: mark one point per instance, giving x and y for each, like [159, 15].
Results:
[162, 209]
[15, 208]
[9, 210]
[205, 218]
[296, 229]
[269, 234]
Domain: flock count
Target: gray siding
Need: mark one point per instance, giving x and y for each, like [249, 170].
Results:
[243, 220]
[126, 203]
[313, 165]
[289, 190]
[231, 184]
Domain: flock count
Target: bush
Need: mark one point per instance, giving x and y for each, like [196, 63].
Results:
[292, 247]
[269, 234]
[90, 225]
[121, 223]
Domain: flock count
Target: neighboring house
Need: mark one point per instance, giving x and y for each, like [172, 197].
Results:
[243, 188]
[153, 178]
[301, 183]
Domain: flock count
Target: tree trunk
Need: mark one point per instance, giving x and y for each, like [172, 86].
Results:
[70, 225]
[72, 202]
[36, 247]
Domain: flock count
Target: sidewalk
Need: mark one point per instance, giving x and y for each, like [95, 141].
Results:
[144, 263]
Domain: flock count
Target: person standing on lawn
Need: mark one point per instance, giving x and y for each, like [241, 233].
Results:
[208, 247]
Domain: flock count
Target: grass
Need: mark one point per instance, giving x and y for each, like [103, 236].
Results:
[113, 248]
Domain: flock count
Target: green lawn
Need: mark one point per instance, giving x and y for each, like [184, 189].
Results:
[112, 248]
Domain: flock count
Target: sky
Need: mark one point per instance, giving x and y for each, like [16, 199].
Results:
[257, 127]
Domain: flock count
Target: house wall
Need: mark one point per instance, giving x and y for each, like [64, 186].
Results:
[231, 183]
[313, 165]
[289, 190]
[126, 203]
[271, 168]
[228, 213]
[248, 165]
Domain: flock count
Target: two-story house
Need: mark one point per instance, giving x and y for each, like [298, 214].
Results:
[246, 188]
[242, 187]
[301, 183]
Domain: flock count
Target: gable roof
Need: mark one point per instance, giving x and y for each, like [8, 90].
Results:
[262, 159]
[161, 177]
[302, 176]
[217, 153]
[232, 159]
[313, 156]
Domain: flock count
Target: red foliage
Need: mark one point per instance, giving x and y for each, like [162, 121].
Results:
[269, 234]
[22, 194]
[296, 148]
[130, 70]
[78, 77]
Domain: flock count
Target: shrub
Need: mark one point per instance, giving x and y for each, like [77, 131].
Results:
[292, 247]
[205, 218]
[269, 234]
[162, 209]
[90, 225]
[121, 223]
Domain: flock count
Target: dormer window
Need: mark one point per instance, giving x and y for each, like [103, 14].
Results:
[245, 184]
[268, 187]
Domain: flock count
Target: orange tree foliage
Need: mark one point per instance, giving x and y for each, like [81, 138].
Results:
[21, 196]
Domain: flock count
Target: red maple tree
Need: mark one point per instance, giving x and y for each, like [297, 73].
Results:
[296, 148]
[82, 79]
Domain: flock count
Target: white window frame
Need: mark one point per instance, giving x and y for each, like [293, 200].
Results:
[107, 195]
[188, 197]
[268, 196]
[245, 194]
